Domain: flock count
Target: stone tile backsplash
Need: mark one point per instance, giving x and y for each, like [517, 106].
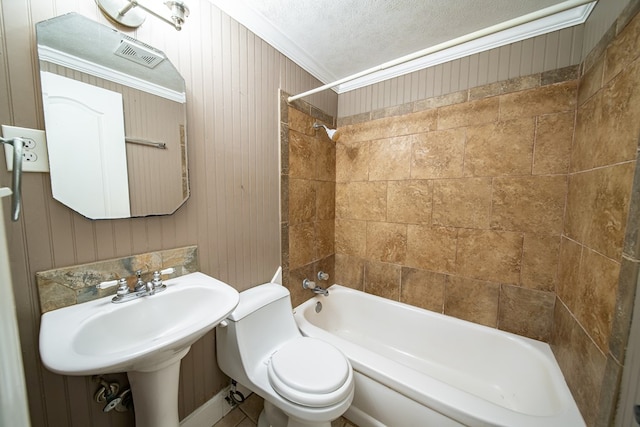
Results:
[62, 287]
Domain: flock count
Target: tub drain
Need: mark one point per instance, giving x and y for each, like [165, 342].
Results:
[318, 307]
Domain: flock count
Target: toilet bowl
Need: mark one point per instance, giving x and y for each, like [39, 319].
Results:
[304, 381]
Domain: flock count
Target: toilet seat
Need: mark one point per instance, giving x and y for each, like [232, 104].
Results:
[310, 372]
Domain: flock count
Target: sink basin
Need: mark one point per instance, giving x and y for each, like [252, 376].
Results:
[99, 337]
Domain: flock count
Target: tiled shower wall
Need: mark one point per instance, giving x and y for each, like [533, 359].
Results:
[308, 180]
[457, 207]
[599, 253]
[507, 205]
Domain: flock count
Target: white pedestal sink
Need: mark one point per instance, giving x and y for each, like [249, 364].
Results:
[145, 337]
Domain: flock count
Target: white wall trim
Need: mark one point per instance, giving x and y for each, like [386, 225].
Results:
[255, 22]
[559, 21]
[210, 412]
[61, 58]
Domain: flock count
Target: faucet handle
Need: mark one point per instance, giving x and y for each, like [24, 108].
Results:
[322, 275]
[107, 284]
[166, 271]
[308, 284]
[140, 285]
[123, 287]
[157, 278]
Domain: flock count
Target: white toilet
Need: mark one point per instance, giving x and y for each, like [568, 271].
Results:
[304, 381]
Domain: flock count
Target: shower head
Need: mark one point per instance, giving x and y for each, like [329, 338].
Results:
[331, 133]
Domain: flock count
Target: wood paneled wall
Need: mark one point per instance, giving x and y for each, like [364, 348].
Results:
[232, 79]
[232, 215]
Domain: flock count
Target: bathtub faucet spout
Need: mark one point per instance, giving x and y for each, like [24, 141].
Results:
[308, 284]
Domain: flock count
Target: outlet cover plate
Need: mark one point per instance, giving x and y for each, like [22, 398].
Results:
[39, 151]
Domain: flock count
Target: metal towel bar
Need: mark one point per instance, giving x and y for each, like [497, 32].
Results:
[160, 145]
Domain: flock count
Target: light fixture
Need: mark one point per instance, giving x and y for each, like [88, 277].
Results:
[130, 12]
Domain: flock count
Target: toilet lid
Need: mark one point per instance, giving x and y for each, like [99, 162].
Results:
[310, 372]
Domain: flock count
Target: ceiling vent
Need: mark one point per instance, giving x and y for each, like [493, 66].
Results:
[139, 54]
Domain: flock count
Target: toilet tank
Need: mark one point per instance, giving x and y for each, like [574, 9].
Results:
[261, 323]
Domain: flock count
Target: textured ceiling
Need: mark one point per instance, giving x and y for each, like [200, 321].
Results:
[336, 38]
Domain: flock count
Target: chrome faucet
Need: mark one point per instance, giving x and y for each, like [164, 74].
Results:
[308, 284]
[140, 285]
[141, 289]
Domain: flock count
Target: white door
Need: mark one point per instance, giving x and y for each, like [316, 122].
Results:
[13, 393]
[86, 143]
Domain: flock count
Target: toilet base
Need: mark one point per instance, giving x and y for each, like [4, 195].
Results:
[272, 416]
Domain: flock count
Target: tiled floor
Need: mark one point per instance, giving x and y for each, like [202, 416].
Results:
[246, 415]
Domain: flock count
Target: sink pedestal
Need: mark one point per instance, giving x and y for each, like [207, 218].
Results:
[155, 392]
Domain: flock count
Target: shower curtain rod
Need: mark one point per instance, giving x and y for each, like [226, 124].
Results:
[524, 19]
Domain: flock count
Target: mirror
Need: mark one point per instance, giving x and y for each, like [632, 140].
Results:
[115, 120]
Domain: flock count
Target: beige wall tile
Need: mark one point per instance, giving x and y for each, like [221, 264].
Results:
[607, 127]
[301, 244]
[489, 255]
[389, 159]
[351, 237]
[468, 113]
[472, 300]
[349, 271]
[325, 159]
[462, 202]
[301, 122]
[423, 289]
[591, 81]
[526, 312]
[409, 201]
[301, 155]
[325, 200]
[597, 206]
[324, 239]
[598, 284]
[441, 101]
[501, 148]
[534, 204]
[623, 50]
[588, 145]
[554, 135]
[352, 161]
[302, 200]
[569, 273]
[388, 127]
[296, 277]
[582, 364]
[540, 262]
[621, 109]
[386, 242]
[542, 100]
[382, 279]
[577, 221]
[438, 154]
[362, 200]
[505, 86]
[431, 248]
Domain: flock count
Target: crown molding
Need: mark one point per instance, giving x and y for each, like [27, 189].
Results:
[264, 29]
[61, 58]
[559, 21]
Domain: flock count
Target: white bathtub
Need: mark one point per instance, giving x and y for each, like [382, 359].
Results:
[417, 368]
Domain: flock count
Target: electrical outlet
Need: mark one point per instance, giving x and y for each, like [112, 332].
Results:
[34, 157]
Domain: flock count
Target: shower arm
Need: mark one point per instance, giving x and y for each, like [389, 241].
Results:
[524, 19]
[16, 178]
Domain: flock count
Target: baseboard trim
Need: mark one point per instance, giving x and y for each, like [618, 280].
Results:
[210, 412]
